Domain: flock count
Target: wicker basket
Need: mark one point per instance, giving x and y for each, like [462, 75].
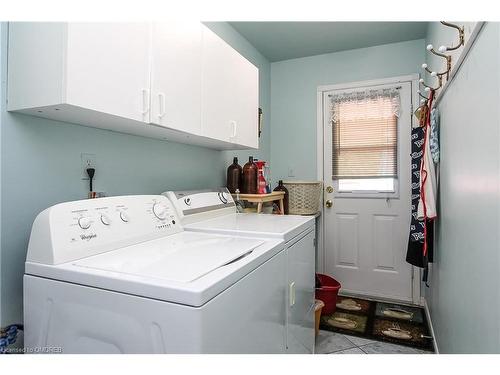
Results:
[304, 197]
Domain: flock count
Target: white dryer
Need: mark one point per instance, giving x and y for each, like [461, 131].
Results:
[120, 275]
[214, 211]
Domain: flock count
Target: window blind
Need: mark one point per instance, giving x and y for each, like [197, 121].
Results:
[364, 136]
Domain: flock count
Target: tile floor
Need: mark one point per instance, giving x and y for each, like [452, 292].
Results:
[335, 343]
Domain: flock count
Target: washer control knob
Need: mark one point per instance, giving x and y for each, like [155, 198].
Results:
[105, 219]
[84, 222]
[160, 211]
[125, 218]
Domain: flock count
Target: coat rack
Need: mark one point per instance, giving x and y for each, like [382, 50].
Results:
[440, 76]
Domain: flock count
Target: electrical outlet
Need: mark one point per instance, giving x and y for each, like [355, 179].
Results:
[88, 161]
[291, 172]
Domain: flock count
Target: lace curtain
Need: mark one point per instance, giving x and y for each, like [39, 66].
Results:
[366, 104]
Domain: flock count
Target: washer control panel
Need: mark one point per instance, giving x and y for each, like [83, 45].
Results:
[74, 230]
[199, 201]
[198, 205]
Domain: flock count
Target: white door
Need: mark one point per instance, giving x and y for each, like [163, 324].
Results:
[366, 230]
[108, 68]
[176, 75]
[230, 93]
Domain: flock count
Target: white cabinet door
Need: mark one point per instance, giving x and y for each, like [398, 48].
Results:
[229, 93]
[176, 76]
[107, 68]
[246, 103]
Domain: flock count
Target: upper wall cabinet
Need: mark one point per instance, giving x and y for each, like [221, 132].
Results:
[176, 76]
[230, 93]
[160, 80]
[102, 67]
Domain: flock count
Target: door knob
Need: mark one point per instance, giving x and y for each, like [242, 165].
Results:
[329, 203]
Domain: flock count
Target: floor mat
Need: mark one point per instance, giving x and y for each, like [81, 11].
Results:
[382, 321]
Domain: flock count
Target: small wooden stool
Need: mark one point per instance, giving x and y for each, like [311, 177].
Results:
[262, 198]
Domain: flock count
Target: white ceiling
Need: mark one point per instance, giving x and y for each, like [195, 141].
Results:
[288, 40]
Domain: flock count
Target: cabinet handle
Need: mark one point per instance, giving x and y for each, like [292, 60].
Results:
[161, 112]
[234, 128]
[145, 101]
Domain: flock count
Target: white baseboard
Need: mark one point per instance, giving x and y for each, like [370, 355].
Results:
[431, 327]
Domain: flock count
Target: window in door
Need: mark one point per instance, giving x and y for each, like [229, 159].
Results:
[365, 141]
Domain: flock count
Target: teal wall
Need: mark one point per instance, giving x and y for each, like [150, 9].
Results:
[293, 96]
[464, 293]
[40, 166]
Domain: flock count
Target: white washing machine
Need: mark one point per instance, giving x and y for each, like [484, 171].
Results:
[120, 275]
[214, 211]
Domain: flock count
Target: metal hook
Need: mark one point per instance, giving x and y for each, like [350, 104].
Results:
[439, 76]
[425, 98]
[461, 36]
[431, 72]
[420, 111]
[428, 88]
[430, 48]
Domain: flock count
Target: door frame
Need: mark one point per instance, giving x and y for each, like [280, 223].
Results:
[321, 90]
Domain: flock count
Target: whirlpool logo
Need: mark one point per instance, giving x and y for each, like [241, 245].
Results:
[88, 237]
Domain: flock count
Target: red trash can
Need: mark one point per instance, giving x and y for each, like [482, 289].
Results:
[327, 289]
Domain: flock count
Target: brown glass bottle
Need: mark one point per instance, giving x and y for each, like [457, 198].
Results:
[234, 171]
[249, 178]
[282, 187]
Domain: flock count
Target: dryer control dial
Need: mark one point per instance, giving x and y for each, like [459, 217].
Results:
[160, 211]
[84, 222]
[222, 197]
[125, 218]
